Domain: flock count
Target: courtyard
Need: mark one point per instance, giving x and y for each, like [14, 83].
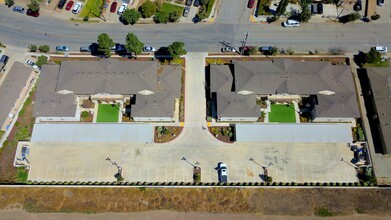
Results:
[282, 113]
[108, 113]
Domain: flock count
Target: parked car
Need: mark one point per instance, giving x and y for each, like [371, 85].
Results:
[189, 2]
[380, 2]
[85, 49]
[228, 50]
[149, 49]
[122, 8]
[314, 9]
[113, 7]
[18, 9]
[4, 59]
[76, 8]
[196, 3]
[61, 4]
[381, 49]
[250, 3]
[32, 13]
[222, 170]
[62, 48]
[291, 23]
[69, 5]
[320, 8]
[32, 64]
[186, 11]
[357, 6]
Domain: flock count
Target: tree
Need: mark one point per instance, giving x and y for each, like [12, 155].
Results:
[33, 48]
[204, 2]
[202, 13]
[42, 60]
[9, 3]
[133, 44]
[148, 9]
[372, 56]
[174, 16]
[105, 43]
[305, 14]
[281, 7]
[375, 17]
[44, 48]
[161, 17]
[176, 49]
[33, 6]
[130, 16]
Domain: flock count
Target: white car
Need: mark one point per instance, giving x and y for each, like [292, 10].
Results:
[76, 8]
[149, 49]
[228, 50]
[222, 170]
[381, 49]
[31, 63]
[291, 23]
[122, 8]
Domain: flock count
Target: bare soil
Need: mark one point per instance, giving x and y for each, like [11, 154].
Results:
[265, 201]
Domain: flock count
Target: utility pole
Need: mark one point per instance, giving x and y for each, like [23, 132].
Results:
[244, 42]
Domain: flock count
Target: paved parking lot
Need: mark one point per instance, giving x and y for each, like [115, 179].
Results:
[162, 162]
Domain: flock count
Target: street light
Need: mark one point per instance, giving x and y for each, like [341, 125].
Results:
[194, 166]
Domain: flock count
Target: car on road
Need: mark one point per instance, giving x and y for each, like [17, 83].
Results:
[228, 50]
[85, 49]
[291, 23]
[113, 7]
[62, 48]
[18, 9]
[32, 13]
[186, 11]
[380, 2]
[32, 64]
[250, 3]
[61, 4]
[381, 49]
[69, 5]
[189, 2]
[223, 172]
[76, 8]
[149, 49]
[196, 3]
[122, 8]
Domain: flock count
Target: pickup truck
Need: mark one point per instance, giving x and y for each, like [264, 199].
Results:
[222, 170]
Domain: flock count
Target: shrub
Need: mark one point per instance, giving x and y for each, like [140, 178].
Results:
[290, 51]
[272, 19]
[350, 17]
[323, 212]
[375, 17]
[33, 48]
[130, 16]
[147, 9]
[85, 114]
[372, 56]
[44, 48]
[42, 60]
[86, 18]
[161, 17]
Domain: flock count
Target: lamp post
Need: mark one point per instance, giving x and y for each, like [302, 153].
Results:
[265, 168]
[119, 168]
[193, 165]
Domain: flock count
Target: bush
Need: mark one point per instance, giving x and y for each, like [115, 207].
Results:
[44, 48]
[147, 9]
[85, 114]
[9, 3]
[33, 48]
[130, 16]
[86, 18]
[375, 17]
[372, 56]
[350, 17]
[305, 14]
[290, 51]
[205, 10]
[42, 60]
[271, 19]
[161, 17]
[323, 212]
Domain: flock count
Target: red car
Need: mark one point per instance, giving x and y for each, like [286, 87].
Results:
[32, 13]
[69, 5]
[250, 3]
[113, 7]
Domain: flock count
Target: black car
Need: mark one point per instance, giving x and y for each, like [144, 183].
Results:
[357, 6]
[196, 3]
[380, 2]
[188, 2]
[320, 8]
[61, 4]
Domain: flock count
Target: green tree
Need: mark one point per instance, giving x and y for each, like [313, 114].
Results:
[174, 16]
[161, 17]
[281, 7]
[372, 56]
[42, 60]
[202, 13]
[133, 44]
[34, 5]
[130, 16]
[305, 14]
[148, 9]
[204, 2]
[176, 49]
[44, 48]
[9, 3]
[33, 48]
[375, 17]
[105, 43]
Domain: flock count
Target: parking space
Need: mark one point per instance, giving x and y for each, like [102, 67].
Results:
[162, 163]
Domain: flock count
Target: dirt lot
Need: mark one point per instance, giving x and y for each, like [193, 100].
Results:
[293, 202]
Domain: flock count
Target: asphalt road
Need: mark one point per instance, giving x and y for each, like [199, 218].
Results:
[21, 30]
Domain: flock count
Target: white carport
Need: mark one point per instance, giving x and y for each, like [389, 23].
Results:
[294, 133]
[92, 133]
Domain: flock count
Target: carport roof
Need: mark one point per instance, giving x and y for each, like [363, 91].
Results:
[103, 132]
[294, 133]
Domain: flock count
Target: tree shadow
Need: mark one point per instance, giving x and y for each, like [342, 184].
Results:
[359, 58]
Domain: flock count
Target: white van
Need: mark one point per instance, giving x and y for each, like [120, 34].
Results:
[291, 23]
[381, 49]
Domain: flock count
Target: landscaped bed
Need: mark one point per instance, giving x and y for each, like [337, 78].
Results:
[108, 113]
[91, 9]
[282, 113]
[165, 134]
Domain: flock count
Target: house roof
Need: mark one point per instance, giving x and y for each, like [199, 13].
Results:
[11, 88]
[221, 78]
[106, 76]
[281, 76]
[49, 103]
[380, 81]
[230, 104]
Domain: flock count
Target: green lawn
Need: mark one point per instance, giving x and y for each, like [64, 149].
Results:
[380, 64]
[282, 113]
[91, 8]
[107, 113]
[170, 7]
